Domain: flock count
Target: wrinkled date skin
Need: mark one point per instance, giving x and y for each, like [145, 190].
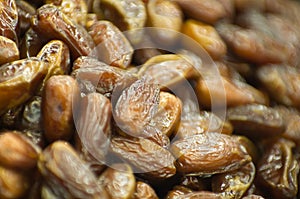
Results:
[135, 108]
[8, 50]
[144, 191]
[235, 183]
[19, 80]
[168, 114]
[119, 181]
[125, 14]
[17, 151]
[167, 70]
[256, 120]
[66, 174]
[57, 54]
[278, 169]
[194, 123]
[281, 82]
[75, 9]
[145, 156]
[9, 19]
[59, 95]
[208, 153]
[93, 124]
[54, 24]
[112, 46]
[96, 76]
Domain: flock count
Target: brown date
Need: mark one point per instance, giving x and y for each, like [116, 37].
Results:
[17, 151]
[281, 82]
[13, 183]
[96, 76]
[145, 156]
[113, 47]
[125, 14]
[136, 107]
[52, 23]
[144, 191]
[163, 14]
[202, 10]
[19, 80]
[57, 55]
[68, 175]
[207, 36]
[208, 153]
[119, 181]
[177, 191]
[58, 101]
[75, 9]
[93, 124]
[8, 50]
[167, 70]
[235, 183]
[256, 121]
[253, 45]
[227, 92]
[194, 123]
[278, 169]
[167, 117]
[290, 117]
[9, 19]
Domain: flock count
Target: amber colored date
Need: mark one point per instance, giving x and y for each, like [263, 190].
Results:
[119, 181]
[52, 23]
[67, 174]
[93, 124]
[59, 95]
[113, 47]
[136, 107]
[144, 191]
[208, 153]
[13, 183]
[254, 120]
[19, 80]
[281, 82]
[17, 151]
[165, 15]
[278, 169]
[235, 183]
[9, 19]
[145, 156]
[75, 9]
[8, 50]
[167, 70]
[96, 76]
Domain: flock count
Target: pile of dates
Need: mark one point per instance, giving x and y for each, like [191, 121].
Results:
[125, 99]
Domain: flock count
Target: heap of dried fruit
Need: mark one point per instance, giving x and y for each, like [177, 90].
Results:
[203, 103]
